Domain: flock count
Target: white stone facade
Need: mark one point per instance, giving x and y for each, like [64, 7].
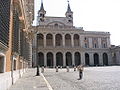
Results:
[58, 43]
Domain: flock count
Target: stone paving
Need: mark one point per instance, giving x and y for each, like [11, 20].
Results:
[30, 82]
[95, 78]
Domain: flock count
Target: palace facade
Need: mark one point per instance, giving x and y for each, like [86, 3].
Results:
[58, 43]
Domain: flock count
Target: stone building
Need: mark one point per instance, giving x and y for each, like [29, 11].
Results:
[16, 17]
[58, 43]
[115, 53]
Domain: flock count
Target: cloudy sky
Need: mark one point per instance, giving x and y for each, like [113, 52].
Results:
[92, 15]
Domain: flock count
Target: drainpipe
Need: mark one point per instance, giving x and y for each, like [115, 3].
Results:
[12, 69]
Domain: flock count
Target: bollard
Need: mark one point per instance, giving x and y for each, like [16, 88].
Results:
[67, 68]
[57, 69]
[42, 70]
[75, 68]
[37, 74]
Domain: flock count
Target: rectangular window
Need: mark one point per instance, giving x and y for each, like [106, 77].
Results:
[1, 64]
[14, 65]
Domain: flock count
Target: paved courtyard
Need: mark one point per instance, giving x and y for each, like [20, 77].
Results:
[95, 78]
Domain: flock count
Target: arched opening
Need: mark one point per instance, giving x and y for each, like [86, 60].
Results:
[49, 40]
[105, 59]
[2, 64]
[77, 59]
[96, 59]
[40, 40]
[58, 40]
[40, 59]
[87, 61]
[67, 40]
[76, 40]
[59, 59]
[68, 59]
[49, 59]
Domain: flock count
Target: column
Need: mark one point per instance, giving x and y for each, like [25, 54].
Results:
[53, 40]
[99, 43]
[82, 58]
[45, 60]
[91, 59]
[44, 40]
[72, 40]
[64, 59]
[30, 54]
[54, 59]
[100, 59]
[82, 41]
[90, 42]
[73, 58]
[63, 40]
[108, 42]
[79, 41]
[35, 50]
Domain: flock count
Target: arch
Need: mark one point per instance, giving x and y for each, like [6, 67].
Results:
[50, 59]
[40, 59]
[40, 41]
[96, 59]
[59, 59]
[67, 40]
[76, 40]
[77, 58]
[87, 61]
[105, 59]
[68, 59]
[49, 40]
[58, 40]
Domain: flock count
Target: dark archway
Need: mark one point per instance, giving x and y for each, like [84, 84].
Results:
[87, 61]
[40, 59]
[49, 59]
[105, 59]
[77, 58]
[59, 59]
[96, 59]
[68, 59]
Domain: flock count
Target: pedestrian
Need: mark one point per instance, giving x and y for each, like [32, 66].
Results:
[37, 73]
[74, 68]
[80, 69]
[42, 69]
[56, 68]
[67, 68]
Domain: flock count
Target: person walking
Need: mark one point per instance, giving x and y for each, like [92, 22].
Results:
[80, 69]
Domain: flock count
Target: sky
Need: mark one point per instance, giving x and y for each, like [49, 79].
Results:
[92, 15]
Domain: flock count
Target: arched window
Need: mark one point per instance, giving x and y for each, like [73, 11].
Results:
[40, 41]
[67, 40]
[49, 40]
[58, 40]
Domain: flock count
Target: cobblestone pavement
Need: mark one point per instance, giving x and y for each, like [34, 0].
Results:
[30, 82]
[95, 78]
